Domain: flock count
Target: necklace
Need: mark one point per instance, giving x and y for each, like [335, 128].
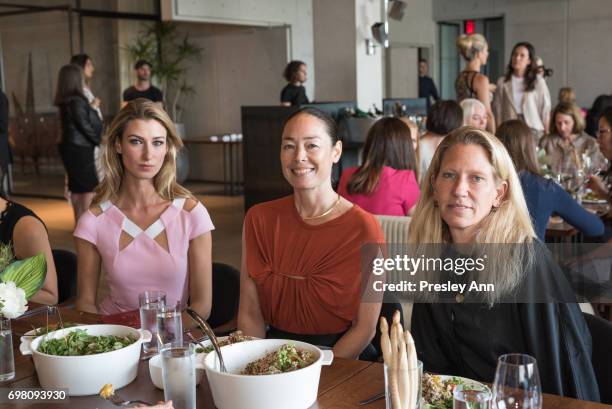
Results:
[325, 213]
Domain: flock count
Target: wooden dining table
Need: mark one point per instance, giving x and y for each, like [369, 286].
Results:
[342, 385]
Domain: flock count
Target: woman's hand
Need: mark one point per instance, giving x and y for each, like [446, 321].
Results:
[95, 103]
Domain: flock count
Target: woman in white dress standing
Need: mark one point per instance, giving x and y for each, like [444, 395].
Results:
[521, 93]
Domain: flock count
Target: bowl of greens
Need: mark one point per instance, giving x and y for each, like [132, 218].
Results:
[84, 358]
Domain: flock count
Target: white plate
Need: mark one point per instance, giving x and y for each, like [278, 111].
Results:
[466, 381]
[594, 201]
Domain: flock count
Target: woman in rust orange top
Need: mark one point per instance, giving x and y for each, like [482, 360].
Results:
[302, 255]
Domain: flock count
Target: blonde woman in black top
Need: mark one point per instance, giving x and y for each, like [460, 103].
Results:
[471, 83]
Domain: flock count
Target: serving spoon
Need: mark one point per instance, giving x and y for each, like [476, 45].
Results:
[208, 331]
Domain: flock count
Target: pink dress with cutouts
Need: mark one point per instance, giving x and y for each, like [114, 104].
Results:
[144, 264]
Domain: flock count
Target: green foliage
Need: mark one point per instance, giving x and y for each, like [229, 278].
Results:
[6, 256]
[170, 54]
[78, 342]
[28, 274]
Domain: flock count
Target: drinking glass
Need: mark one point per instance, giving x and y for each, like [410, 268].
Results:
[178, 374]
[169, 323]
[517, 383]
[150, 302]
[466, 397]
[418, 372]
[7, 361]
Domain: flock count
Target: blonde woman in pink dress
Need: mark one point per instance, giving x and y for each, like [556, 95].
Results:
[147, 231]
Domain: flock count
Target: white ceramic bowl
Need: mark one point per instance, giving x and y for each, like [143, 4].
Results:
[155, 369]
[291, 390]
[85, 375]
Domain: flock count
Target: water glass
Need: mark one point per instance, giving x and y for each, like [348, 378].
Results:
[466, 397]
[417, 372]
[150, 302]
[7, 362]
[169, 323]
[179, 374]
[517, 383]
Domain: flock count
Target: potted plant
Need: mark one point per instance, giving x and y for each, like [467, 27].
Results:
[170, 54]
[19, 281]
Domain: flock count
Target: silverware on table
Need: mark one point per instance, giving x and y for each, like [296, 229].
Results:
[47, 310]
[372, 399]
[194, 340]
[118, 401]
[107, 392]
[208, 331]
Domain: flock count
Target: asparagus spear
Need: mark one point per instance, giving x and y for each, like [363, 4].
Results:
[413, 368]
[393, 368]
[404, 375]
[385, 342]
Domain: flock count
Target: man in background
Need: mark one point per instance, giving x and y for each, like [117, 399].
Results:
[5, 149]
[427, 88]
[143, 87]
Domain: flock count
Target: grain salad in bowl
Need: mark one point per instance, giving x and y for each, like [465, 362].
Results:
[287, 374]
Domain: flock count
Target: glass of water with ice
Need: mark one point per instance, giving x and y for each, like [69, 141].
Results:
[150, 303]
[178, 374]
[7, 362]
[169, 323]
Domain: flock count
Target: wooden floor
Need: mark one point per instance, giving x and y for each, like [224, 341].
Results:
[226, 212]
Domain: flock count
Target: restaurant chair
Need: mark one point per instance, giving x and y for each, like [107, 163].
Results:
[66, 268]
[601, 334]
[225, 296]
[395, 229]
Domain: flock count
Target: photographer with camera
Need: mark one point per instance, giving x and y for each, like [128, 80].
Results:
[541, 69]
[521, 93]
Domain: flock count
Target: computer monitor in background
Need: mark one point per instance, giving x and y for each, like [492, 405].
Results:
[405, 106]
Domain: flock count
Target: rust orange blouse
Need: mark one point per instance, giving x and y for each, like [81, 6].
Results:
[308, 278]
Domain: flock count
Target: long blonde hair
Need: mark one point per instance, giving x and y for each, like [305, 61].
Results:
[508, 224]
[165, 181]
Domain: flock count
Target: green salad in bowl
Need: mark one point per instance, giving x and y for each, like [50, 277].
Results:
[78, 343]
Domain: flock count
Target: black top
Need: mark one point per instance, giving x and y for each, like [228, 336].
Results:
[9, 218]
[152, 94]
[428, 89]
[464, 85]
[294, 94]
[81, 124]
[467, 339]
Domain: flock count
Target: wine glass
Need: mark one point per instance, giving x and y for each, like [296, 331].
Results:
[517, 383]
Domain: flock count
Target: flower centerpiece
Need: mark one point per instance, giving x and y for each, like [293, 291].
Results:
[19, 281]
